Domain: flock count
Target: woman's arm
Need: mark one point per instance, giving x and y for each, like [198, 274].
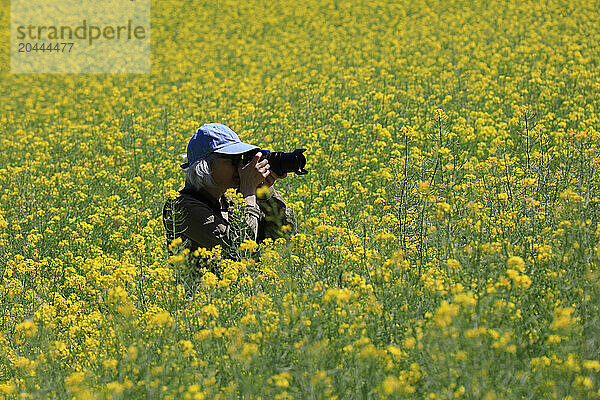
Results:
[279, 218]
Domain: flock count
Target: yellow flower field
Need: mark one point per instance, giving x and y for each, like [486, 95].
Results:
[448, 231]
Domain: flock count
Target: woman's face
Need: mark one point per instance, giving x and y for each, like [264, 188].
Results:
[225, 171]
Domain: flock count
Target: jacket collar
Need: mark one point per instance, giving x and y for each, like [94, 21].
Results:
[204, 196]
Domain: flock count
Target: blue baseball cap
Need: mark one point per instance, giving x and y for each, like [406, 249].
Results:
[216, 138]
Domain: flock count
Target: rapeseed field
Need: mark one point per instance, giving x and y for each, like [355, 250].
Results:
[447, 242]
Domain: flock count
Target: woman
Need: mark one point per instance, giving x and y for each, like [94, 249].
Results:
[200, 215]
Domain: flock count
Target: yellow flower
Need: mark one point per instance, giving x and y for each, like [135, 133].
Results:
[248, 244]
[8, 388]
[202, 334]
[319, 376]
[282, 380]
[465, 299]
[248, 319]
[553, 339]
[390, 384]
[520, 281]
[27, 328]
[263, 192]
[210, 310]
[248, 350]
[209, 381]
[286, 228]
[159, 319]
[562, 318]
[132, 353]
[176, 242]
[453, 264]
[440, 115]
[593, 365]
[115, 387]
[209, 280]
[423, 186]
[394, 350]
[171, 195]
[517, 263]
[186, 347]
[444, 314]
[110, 364]
[73, 381]
[409, 342]
[339, 295]
[570, 195]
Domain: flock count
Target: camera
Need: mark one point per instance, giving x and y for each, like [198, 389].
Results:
[281, 162]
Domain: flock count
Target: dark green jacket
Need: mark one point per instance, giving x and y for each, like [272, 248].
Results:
[204, 222]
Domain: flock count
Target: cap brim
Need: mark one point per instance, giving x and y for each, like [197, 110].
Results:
[236, 148]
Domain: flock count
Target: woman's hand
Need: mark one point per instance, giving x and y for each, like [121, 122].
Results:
[270, 180]
[253, 174]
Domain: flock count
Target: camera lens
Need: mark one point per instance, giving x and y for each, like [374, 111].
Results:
[281, 162]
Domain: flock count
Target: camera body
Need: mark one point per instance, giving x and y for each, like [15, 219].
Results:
[281, 162]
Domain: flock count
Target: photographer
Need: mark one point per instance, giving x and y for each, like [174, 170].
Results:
[200, 214]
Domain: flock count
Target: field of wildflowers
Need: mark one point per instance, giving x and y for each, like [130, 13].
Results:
[448, 229]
